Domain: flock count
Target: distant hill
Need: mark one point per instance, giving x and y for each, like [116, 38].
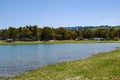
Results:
[91, 27]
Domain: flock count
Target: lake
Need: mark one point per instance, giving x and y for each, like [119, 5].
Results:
[15, 59]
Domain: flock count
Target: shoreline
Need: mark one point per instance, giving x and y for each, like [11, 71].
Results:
[47, 68]
[56, 42]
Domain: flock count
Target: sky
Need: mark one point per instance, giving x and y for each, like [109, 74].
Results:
[58, 13]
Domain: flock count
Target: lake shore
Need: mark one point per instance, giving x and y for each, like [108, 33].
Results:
[103, 66]
[57, 42]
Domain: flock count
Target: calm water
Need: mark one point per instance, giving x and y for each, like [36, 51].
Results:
[16, 59]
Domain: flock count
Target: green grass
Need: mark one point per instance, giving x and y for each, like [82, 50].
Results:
[56, 42]
[21, 42]
[103, 66]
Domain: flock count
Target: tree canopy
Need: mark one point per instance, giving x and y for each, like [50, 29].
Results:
[34, 33]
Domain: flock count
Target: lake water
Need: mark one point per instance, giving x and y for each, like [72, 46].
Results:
[16, 59]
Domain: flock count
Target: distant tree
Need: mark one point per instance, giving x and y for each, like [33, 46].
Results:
[33, 29]
[35, 32]
[48, 33]
[38, 33]
[25, 33]
[109, 33]
[13, 33]
[79, 33]
[71, 34]
[62, 32]
[116, 33]
[0, 34]
[58, 37]
[87, 33]
[4, 34]
[101, 33]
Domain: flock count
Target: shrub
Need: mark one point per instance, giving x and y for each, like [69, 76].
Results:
[27, 39]
[79, 38]
[116, 38]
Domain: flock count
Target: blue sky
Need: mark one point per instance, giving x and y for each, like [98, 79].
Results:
[58, 13]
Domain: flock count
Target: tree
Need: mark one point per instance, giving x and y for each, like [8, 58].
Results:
[4, 34]
[71, 34]
[25, 33]
[62, 33]
[0, 34]
[87, 33]
[101, 33]
[118, 33]
[33, 29]
[13, 33]
[109, 34]
[115, 33]
[47, 33]
[79, 35]
[38, 34]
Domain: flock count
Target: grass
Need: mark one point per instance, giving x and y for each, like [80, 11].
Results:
[56, 42]
[21, 42]
[103, 66]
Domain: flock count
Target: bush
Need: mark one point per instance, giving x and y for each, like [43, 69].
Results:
[116, 38]
[107, 38]
[27, 39]
[79, 38]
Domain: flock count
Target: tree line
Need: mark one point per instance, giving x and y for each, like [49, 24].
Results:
[34, 33]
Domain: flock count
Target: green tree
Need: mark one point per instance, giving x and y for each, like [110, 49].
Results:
[62, 33]
[13, 33]
[109, 34]
[0, 34]
[71, 34]
[101, 33]
[87, 33]
[116, 33]
[38, 34]
[48, 33]
[25, 33]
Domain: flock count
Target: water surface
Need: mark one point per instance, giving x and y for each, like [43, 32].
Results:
[16, 59]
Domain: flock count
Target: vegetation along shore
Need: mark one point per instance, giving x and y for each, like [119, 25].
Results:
[103, 66]
[34, 33]
[3, 42]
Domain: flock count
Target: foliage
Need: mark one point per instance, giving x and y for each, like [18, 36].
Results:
[13, 33]
[33, 33]
[47, 33]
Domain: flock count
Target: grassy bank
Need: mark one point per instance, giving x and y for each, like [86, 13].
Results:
[57, 42]
[104, 66]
